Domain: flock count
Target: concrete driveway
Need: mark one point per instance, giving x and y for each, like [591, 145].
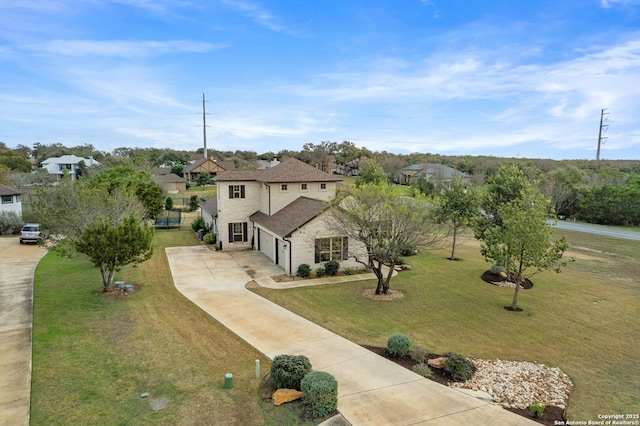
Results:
[371, 389]
[17, 266]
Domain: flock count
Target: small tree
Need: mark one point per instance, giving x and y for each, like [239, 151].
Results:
[370, 173]
[203, 179]
[522, 244]
[386, 221]
[457, 209]
[168, 205]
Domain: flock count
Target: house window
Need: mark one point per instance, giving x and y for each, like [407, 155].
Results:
[323, 186]
[303, 187]
[236, 191]
[335, 248]
[7, 199]
[284, 187]
[238, 232]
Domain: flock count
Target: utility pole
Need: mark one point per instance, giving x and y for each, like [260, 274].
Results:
[604, 116]
[204, 126]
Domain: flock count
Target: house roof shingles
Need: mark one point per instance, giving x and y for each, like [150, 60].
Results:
[170, 178]
[292, 217]
[210, 206]
[291, 170]
[7, 190]
[226, 165]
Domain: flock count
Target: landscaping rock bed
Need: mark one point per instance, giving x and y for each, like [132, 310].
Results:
[514, 385]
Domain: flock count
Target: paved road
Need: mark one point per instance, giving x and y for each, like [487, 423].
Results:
[17, 265]
[597, 230]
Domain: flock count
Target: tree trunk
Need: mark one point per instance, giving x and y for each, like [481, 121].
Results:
[107, 278]
[387, 281]
[377, 270]
[514, 302]
[453, 246]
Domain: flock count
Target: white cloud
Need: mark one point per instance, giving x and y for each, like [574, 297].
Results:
[121, 48]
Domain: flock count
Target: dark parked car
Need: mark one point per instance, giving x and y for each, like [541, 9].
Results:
[32, 232]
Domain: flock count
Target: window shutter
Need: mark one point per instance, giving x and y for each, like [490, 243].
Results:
[242, 192]
[231, 232]
[230, 191]
[245, 237]
[345, 248]
[317, 251]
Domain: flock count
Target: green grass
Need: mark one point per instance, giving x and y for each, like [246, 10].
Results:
[584, 320]
[93, 355]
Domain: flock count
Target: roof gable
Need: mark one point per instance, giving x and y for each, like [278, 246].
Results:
[292, 217]
[7, 190]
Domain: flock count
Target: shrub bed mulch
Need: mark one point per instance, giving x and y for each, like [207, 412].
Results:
[492, 278]
[551, 413]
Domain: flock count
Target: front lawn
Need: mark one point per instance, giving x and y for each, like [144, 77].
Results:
[584, 320]
[94, 355]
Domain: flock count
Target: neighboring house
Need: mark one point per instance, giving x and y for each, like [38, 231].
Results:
[70, 163]
[350, 168]
[171, 183]
[206, 165]
[439, 174]
[279, 212]
[11, 200]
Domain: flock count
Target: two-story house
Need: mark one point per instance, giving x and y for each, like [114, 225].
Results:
[279, 212]
[67, 163]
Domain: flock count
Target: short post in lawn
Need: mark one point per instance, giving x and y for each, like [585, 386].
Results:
[228, 381]
[257, 368]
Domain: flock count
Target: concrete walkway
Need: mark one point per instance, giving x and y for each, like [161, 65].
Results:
[372, 390]
[17, 266]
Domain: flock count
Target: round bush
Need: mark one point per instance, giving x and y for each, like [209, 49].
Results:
[496, 269]
[198, 223]
[209, 238]
[288, 370]
[331, 267]
[459, 368]
[398, 345]
[422, 369]
[320, 393]
[418, 354]
[304, 270]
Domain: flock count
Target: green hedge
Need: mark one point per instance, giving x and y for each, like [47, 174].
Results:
[287, 371]
[320, 393]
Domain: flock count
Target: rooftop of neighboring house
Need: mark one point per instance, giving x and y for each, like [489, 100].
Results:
[291, 170]
[70, 159]
[226, 165]
[161, 171]
[292, 217]
[7, 190]
[169, 178]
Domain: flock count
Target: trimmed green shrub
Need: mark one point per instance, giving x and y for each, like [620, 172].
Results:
[209, 238]
[422, 369]
[320, 393]
[331, 267]
[349, 271]
[168, 204]
[10, 223]
[198, 223]
[537, 409]
[398, 345]
[496, 269]
[193, 203]
[288, 370]
[418, 354]
[320, 272]
[401, 261]
[304, 270]
[459, 368]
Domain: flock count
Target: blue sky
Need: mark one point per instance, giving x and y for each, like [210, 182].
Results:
[514, 78]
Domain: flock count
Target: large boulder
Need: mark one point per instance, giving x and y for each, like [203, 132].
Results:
[437, 362]
[285, 395]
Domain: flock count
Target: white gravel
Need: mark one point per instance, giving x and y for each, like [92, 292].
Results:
[519, 384]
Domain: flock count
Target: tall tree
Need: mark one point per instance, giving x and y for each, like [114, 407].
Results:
[458, 208]
[138, 181]
[522, 242]
[385, 221]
